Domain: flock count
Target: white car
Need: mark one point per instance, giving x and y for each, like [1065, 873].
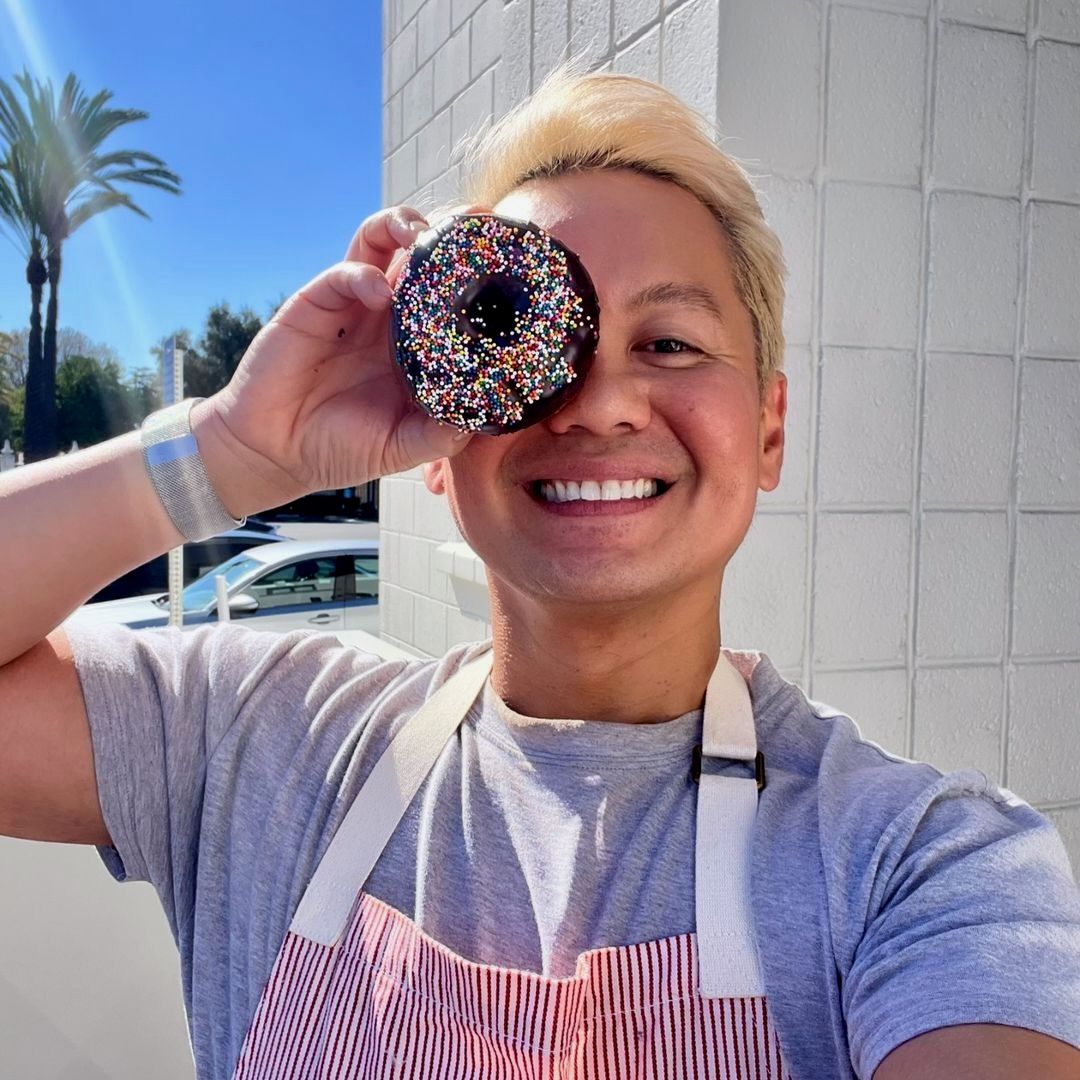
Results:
[291, 585]
[152, 578]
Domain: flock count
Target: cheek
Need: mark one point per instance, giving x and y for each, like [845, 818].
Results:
[717, 423]
[471, 474]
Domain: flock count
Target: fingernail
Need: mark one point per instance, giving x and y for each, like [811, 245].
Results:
[382, 287]
[417, 227]
[461, 435]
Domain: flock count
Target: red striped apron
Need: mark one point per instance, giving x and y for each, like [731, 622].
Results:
[359, 991]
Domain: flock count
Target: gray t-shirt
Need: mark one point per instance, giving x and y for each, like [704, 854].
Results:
[889, 899]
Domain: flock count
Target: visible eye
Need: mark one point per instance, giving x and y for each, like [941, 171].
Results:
[672, 353]
[673, 341]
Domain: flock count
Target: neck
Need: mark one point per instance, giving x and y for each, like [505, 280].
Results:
[635, 665]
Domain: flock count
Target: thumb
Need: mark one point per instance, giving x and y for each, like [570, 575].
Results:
[423, 438]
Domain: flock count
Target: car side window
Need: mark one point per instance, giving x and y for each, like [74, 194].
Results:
[367, 575]
[210, 554]
[306, 581]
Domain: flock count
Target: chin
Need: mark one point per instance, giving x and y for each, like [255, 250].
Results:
[560, 584]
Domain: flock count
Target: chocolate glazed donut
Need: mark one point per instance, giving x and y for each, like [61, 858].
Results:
[494, 322]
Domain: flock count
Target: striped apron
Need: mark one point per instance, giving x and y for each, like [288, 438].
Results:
[359, 991]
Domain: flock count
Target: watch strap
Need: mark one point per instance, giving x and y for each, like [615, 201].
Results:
[176, 469]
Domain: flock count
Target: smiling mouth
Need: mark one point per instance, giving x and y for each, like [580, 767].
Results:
[549, 491]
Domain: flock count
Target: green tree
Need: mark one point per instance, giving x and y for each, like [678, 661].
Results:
[12, 377]
[53, 179]
[210, 363]
[225, 338]
[92, 404]
[13, 357]
[143, 393]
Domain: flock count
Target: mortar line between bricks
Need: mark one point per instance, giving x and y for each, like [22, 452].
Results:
[671, 8]
[1072, 804]
[915, 519]
[609, 58]
[642, 31]
[816, 358]
[936, 663]
[1012, 511]
[955, 350]
[883, 8]
[660, 56]
[945, 663]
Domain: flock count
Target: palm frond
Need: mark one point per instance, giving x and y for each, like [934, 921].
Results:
[98, 203]
[158, 178]
[14, 123]
[56, 179]
[103, 123]
[125, 157]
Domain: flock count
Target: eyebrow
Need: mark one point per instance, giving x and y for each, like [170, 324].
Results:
[676, 292]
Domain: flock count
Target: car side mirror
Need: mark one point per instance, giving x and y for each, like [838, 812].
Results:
[243, 604]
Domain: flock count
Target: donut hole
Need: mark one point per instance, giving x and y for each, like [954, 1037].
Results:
[492, 308]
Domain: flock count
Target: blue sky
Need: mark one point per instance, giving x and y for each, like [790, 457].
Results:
[269, 111]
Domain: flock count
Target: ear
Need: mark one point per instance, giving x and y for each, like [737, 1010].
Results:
[771, 429]
[435, 476]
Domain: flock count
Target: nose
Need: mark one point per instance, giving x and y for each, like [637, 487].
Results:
[612, 401]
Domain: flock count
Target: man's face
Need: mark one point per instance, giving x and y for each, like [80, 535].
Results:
[685, 412]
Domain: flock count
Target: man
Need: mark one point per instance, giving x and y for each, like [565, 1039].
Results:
[908, 924]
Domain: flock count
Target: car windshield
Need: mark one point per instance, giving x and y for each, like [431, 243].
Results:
[201, 592]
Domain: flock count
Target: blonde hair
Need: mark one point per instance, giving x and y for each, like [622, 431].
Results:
[580, 120]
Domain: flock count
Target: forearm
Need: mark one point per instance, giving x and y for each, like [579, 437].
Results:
[70, 525]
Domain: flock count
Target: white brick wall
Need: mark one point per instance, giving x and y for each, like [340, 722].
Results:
[917, 566]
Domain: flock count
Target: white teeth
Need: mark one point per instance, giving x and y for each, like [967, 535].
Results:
[594, 490]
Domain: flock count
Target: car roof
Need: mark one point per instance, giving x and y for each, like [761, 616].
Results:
[287, 550]
[243, 534]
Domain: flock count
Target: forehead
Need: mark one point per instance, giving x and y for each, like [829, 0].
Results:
[628, 228]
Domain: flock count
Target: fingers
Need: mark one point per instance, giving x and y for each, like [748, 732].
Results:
[327, 305]
[363, 275]
[383, 234]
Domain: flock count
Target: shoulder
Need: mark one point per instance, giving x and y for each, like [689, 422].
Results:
[219, 673]
[818, 753]
[943, 892]
[874, 816]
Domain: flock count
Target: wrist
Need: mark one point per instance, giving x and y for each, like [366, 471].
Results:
[245, 481]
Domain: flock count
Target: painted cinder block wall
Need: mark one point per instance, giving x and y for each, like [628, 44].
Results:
[919, 564]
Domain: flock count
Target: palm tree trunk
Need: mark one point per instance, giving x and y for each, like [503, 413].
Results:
[49, 349]
[39, 409]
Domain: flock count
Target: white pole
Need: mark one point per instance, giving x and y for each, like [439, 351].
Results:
[222, 591]
[176, 555]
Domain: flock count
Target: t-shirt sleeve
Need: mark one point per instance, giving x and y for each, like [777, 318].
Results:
[159, 703]
[965, 911]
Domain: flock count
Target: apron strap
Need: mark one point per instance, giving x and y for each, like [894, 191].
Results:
[381, 803]
[728, 963]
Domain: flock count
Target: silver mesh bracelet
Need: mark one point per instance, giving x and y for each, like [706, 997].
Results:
[176, 468]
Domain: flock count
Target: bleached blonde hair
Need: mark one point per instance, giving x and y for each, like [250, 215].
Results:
[580, 120]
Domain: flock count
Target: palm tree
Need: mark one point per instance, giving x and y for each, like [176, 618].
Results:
[52, 180]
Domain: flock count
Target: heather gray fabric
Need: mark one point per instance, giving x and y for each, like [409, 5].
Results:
[889, 899]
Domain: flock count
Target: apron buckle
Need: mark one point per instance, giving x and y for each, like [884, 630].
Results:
[759, 767]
